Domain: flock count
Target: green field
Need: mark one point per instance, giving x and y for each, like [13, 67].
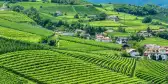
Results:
[15, 17]
[26, 28]
[154, 40]
[19, 35]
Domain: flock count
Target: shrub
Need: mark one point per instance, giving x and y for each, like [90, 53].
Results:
[147, 20]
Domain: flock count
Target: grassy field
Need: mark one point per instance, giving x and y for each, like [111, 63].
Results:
[90, 10]
[106, 23]
[119, 34]
[15, 17]
[68, 9]
[154, 40]
[19, 35]
[26, 28]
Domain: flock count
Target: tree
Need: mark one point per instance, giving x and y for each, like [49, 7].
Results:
[77, 16]
[147, 20]
[102, 16]
[17, 8]
[149, 30]
[121, 29]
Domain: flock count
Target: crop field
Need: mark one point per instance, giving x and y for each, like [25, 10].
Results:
[26, 28]
[36, 5]
[119, 34]
[152, 71]
[91, 42]
[19, 35]
[106, 23]
[9, 45]
[47, 67]
[68, 45]
[15, 17]
[156, 40]
[113, 63]
[68, 9]
[81, 9]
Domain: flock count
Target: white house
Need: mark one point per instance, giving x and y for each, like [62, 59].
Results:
[122, 40]
[155, 51]
[144, 34]
[133, 52]
[101, 38]
[113, 17]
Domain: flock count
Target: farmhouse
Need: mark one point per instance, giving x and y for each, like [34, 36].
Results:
[122, 40]
[156, 52]
[114, 18]
[144, 34]
[58, 13]
[101, 38]
[133, 52]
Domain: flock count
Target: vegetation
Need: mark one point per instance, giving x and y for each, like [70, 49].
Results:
[52, 63]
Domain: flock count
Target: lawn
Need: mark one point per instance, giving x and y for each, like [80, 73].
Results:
[154, 40]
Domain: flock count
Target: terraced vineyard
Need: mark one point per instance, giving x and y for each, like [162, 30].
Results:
[51, 67]
[18, 35]
[68, 45]
[152, 71]
[91, 42]
[26, 28]
[15, 17]
[114, 63]
[9, 45]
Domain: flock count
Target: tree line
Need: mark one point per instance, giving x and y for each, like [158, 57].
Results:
[137, 10]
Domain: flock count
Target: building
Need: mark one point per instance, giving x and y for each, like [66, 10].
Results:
[144, 34]
[132, 52]
[101, 38]
[122, 40]
[114, 18]
[153, 51]
[58, 13]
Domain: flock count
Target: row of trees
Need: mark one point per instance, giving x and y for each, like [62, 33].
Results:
[137, 10]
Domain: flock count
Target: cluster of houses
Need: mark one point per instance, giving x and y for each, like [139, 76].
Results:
[156, 52]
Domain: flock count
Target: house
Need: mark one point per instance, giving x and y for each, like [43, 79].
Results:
[122, 40]
[153, 51]
[132, 52]
[114, 18]
[101, 38]
[58, 13]
[144, 34]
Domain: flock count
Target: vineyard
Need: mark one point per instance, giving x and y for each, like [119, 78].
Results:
[26, 28]
[91, 42]
[9, 45]
[15, 17]
[152, 71]
[18, 35]
[51, 67]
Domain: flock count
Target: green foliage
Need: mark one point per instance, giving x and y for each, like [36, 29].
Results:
[17, 8]
[102, 16]
[77, 16]
[147, 20]
[137, 10]
[121, 29]
[137, 38]
[163, 35]
[125, 54]
[156, 23]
